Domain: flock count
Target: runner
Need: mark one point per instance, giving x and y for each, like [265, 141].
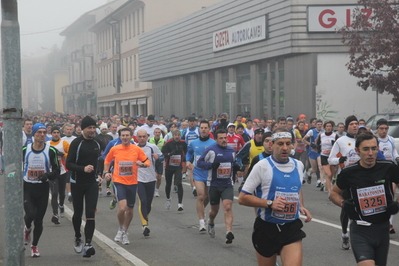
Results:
[324, 142]
[312, 152]
[219, 160]
[82, 161]
[175, 157]
[343, 152]
[67, 129]
[195, 150]
[159, 142]
[40, 165]
[386, 145]
[369, 201]
[127, 158]
[57, 186]
[147, 177]
[277, 228]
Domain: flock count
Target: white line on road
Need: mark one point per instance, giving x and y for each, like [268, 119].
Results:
[396, 243]
[115, 247]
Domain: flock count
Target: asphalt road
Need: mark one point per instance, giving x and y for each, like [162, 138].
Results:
[175, 239]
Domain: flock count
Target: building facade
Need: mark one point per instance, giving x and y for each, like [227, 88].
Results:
[257, 58]
[120, 89]
[80, 95]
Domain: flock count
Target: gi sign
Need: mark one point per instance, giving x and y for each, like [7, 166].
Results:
[244, 33]
[332, 18]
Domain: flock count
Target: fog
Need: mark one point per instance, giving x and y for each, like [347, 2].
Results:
[41, 22]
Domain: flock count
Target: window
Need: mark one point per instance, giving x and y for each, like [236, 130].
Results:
[138, 21]
[130, 26]
[134, 23]
[142, 19]
[127, 68]
[131, 68]
[135, 67]
[126, 27]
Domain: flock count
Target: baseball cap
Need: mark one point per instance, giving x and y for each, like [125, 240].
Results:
[231, 124]
[259, 131]
[191, 118]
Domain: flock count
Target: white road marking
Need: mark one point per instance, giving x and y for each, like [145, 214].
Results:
[109, 242]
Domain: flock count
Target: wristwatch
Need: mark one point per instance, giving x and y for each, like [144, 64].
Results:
[269, 204]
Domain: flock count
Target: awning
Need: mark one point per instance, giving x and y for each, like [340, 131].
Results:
[124, 102]
[111, 104]
[133, 102]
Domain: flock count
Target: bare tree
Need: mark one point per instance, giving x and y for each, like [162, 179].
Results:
[373, 39]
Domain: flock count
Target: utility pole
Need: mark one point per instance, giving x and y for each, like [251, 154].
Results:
[12, 117]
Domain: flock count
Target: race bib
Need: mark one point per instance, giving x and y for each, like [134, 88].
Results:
[175, 160]
[125, 168]
[372, 200]
[224, 170]
[291, 207]
[34, 172]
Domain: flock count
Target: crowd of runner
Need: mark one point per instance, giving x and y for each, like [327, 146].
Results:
[72, 155]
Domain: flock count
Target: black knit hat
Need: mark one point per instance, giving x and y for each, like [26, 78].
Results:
[54, 129]
[87, 121]
[349, 119]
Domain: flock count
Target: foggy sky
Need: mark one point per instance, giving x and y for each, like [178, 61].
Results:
[45, 15]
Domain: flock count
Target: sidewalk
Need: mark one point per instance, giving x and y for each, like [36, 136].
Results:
[56, 243]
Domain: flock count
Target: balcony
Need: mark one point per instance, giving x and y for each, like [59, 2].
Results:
[87, 50]
[89, 86]
[67, 90]
[76, 56]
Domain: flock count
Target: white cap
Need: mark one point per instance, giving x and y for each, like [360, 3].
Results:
[104, 125]
[231, 124]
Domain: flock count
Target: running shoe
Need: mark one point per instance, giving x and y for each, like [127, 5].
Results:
[112, 205]
[78, 245]
[175, 189]
[345, 243]
[211, 230]
[125, 239]
[184, 177]
[180, 207]
[202, 226]
[88, 251]
[309, 179]
[70, 197]
[27, 235]
[146, 231]
[156, 193]
[100, 191]
[168, 204]
[119, 235]
[55, 219]
[391, 229]
[318, 183]
[62, 211]
[195, 192]
[322, 187]
[229, 237]
[109, 192]
[34, 252]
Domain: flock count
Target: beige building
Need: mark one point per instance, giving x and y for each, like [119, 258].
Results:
[119, 89]
[80, 94]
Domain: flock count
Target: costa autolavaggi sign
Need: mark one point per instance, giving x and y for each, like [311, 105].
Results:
[247, 32]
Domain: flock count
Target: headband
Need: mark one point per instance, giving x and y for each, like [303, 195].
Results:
[281, 135]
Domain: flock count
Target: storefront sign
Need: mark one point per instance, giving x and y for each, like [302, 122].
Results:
[244, 33]
[332, 18]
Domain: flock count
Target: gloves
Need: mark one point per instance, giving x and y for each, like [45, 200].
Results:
[236, 168]
[44, 177]
[342, 159]
[349, 208]
[215, 165]
[292, 152]
[392, 207]
[313, 146]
